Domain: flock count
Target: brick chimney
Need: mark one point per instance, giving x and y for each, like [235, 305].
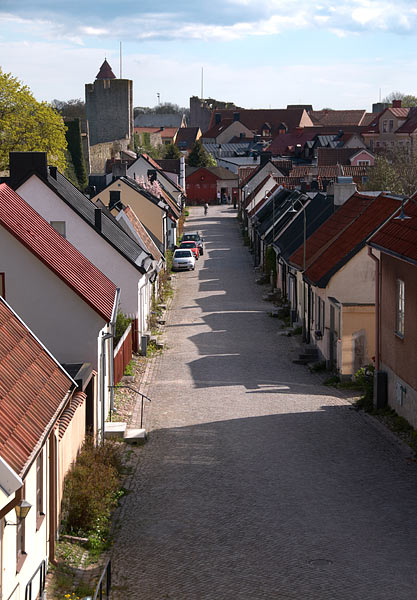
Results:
[396, 103]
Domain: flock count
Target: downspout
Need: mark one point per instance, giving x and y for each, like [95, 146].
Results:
[113, 333]
[377, 305]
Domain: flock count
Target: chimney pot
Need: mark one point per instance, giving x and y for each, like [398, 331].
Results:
[396, 103]
[97, 219]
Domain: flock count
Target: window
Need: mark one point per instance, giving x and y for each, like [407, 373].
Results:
[391, 125]
[363, 163]
[59, 226]
[384, 126]
[400, 307]
[106, 84]
[2, 287]
[39, 488]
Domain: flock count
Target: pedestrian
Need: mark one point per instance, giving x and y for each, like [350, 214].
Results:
[218, 197]
[205, 208]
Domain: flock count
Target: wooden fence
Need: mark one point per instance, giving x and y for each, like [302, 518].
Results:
[123, 354]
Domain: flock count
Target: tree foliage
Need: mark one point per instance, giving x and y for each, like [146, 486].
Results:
[28, 125]
[407, 100]
[395, 172]
[199, 157]
[143, 145]
[172, 151]
[164, 108]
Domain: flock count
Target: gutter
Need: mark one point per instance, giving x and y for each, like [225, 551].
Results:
[113, 333]
[377, 305]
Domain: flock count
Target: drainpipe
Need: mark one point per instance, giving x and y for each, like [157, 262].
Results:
[377, 307]
[113, 333]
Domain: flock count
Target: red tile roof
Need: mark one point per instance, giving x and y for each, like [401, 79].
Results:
[26, 225]
[399, 237]
[342, 235]
[335, 156]
[287, 142]
[105, 71]
[338, 118]
[255, 119]
[33, 391]
[143, 234]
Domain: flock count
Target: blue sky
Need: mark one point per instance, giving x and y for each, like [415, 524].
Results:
[329, 53]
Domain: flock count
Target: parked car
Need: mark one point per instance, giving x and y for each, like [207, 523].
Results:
[194, 236]
[183, 259]
[192, 246]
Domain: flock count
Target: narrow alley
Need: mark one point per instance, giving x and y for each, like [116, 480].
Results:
[257, 481]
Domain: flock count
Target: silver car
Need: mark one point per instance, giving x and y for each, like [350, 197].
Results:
[183, 259]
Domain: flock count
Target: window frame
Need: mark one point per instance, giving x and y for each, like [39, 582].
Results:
[400, 308]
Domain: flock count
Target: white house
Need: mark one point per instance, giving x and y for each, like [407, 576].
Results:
[65, 300]
[92, 230]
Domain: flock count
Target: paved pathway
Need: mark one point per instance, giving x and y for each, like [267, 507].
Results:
[257, 482]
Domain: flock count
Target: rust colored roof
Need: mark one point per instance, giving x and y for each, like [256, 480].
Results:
[335, 156]
[151, 161]
[411, 123]
[330, 171]
[338, 118]
[147, 129]
[27, 226]
[343, 235]
[399, 238]
[105, 71]
[287, 142]
[142, 233]
[245, 173]
[33, 391]
[65, 419]
[289, 182]
[255, 119]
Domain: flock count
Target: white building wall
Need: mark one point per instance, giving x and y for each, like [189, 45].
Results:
[36, 545]
[81, 235]
[64, 322]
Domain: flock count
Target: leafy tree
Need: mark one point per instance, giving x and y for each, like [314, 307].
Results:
[395, 172]
[199, 157]
[75, 148]
[172, 151]
[142, 144]
[407, 100]
[28, 125]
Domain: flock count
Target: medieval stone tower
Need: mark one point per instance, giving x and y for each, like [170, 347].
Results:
[109, 107]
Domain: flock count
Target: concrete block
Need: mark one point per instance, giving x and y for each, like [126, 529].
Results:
[135, 436]
[114, 429]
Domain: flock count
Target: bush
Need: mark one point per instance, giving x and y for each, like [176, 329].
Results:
[364, 378]
[91, 491]
[122, 323]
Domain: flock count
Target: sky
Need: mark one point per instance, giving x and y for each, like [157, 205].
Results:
[331, 53]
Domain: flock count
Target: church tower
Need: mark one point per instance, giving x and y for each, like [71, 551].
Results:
[109, 107]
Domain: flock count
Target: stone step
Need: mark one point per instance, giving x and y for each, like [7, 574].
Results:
[114, 429]
[135, 436]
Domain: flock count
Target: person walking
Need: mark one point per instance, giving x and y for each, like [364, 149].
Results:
[205, 208]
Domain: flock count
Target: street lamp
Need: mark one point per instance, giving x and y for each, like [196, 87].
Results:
[21, 509]
[402, 216]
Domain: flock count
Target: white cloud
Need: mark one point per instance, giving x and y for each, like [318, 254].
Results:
[95, 31]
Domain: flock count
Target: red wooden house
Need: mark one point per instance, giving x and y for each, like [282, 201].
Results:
[210, 184]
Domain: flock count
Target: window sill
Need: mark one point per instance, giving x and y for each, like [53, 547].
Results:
[399, 335]
[19, 563]
[39, 520]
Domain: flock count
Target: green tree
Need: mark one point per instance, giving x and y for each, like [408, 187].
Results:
[407, 100]
[75, 148]
[394, 172]
[172, 151]
[199, 157]
[28, 125]
[70, 109]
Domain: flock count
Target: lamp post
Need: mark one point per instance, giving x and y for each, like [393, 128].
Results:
[21, 509]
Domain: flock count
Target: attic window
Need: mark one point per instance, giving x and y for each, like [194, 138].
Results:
[106, 83]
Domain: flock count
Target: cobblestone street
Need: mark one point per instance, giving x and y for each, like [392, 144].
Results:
[257, 481]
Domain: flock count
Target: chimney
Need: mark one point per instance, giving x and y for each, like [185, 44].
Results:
[23, 164]
[97, 219]
[343, 189]
[265, 158]
[217, 118]
[53, 172]
[396, 103]
[119, 169]
[236, 116]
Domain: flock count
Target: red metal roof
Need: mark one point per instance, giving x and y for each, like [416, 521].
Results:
[399, 237]
[143, 234]
[26, 225]
[33, 391]
[342, 234]
[105, 71]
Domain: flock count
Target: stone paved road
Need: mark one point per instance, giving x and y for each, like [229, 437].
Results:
[257, 483]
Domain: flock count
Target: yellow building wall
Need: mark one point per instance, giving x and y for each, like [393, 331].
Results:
[358, 338]
[150, 214]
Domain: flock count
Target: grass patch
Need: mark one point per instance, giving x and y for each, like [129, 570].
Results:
[129, 369]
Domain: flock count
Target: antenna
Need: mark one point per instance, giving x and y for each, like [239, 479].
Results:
[158, 95]
[202, 82]
[120, 60]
